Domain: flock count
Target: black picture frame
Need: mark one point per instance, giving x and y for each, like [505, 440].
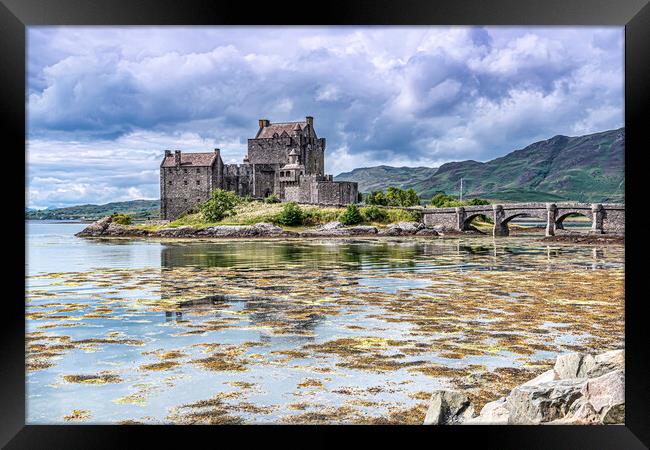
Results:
[16, 15]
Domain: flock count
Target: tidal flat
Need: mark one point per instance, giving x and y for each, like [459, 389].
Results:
[325, 331]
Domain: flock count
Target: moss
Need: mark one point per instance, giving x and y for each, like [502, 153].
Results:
[164, 365]
[100, 378]
[77, 415]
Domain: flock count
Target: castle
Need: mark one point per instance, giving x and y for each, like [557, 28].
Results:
[286, 159]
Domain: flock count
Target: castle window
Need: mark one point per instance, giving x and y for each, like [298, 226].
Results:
[185, 182]
[198, 182]
[170, 182]
[184, 170]
[198, 170]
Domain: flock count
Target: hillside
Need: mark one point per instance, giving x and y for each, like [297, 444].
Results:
[585, 168]
[139, 209]
[379, 177]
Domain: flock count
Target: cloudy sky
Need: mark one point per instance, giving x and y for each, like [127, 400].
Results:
[104, 102]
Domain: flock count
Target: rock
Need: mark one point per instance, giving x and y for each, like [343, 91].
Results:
[96, 228]
[410, 227]
[607, 362]
[330, 226]
[543, 402]
[545, 377]
[183, 231]
[268, 229]
[493, 413]
[573, 365]
[362, 229]
[448, 408]
[427, 232]
[615, 415]
[581, 413]
[606, 391]
[390, 231]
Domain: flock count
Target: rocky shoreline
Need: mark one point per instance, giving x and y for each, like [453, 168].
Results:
[581, 389]
[106, 228]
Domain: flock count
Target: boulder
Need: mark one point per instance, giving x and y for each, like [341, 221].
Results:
[390, 231]
[448, 408]
[361, 229]
[606, 392]
[493, 413]
[268, 229]
[545, 377]
[410, 227]
[607, 362]
[330, 226]
[573, 365]
[427, 232]
[544, 402]
[183, 231]
[96, 228]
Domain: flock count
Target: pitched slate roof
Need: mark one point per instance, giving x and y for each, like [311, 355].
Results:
[191, 159]
[289, 127]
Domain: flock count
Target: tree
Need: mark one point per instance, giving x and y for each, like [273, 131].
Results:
[438, 200]
[409, 198]
[221, 204]
[393, 196]
[376, 198]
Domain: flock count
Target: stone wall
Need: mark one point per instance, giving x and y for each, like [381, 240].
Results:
[335, 192]
[181, 188]
[237, 178]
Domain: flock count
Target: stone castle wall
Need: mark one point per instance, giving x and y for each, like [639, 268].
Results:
[181, 188]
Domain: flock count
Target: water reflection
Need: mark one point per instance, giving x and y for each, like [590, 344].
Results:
[341, 329]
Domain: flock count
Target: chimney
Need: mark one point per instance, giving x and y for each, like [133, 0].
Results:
[264, 123]
[310, 121]
[177, 158]
[168, 153]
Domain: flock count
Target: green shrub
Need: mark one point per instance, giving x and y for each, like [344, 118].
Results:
[121, 219]
[273, 198]
[221, 204]
[374, 214]
[291, 215]
[477, 201]
[351, 215]
[401, 215]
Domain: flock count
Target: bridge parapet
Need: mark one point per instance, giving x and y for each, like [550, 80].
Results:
[605, 217]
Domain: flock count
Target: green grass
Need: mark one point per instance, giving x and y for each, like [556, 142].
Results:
[250, 213]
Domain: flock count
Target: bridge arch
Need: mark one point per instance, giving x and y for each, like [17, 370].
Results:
[559, 220]
[467, 221]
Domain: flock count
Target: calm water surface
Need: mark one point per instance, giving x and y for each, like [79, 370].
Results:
[273, 331]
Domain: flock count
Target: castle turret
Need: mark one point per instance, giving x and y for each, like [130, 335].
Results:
[294, 156]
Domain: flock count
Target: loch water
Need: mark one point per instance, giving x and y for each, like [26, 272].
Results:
[301, 331]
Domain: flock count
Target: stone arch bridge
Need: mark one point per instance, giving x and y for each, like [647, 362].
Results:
[605, 217]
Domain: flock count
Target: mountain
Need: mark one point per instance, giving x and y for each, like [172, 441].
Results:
[380, 177]
[586, 168]
[139, 209]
